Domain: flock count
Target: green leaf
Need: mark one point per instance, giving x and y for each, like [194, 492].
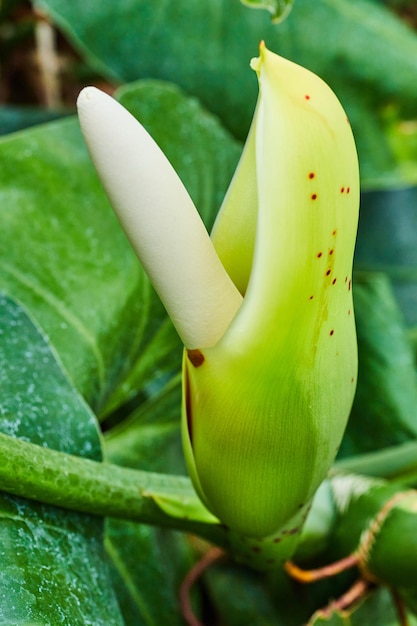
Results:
[206, 46]
[149, 565]
[63, 256]
[149, 438]
[54, 568]
[241, 597]
[17, 118]
[386, 394]
[392, 211]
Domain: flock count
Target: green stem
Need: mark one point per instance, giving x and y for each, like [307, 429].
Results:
[80, 484]
[398, 463]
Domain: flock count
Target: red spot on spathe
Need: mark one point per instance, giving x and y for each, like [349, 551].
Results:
[196, 357]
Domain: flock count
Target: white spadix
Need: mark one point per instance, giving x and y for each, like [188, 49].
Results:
[160, 220]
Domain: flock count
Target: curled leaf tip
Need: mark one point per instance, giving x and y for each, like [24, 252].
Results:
[278, 9]
[256, 62]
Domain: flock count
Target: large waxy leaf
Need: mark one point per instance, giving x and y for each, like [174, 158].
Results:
[391, 212]
[16, 118]
[385, 408]
[241, 597]
[63, 254]
[148, 567]
[53, 565]
[206, 46]
[148, 436]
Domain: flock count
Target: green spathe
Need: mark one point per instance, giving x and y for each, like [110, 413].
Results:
[265, 408]
[265, 307]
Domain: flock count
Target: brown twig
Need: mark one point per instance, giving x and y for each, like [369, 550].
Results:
[352, 595]
[213, 555]
[312, 575]
[400, 606]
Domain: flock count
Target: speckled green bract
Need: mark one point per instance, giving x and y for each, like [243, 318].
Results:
[265, 408]
[271, 552]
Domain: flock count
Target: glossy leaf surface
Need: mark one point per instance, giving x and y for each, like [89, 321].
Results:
[51, 559]
[386, 394]
[212, 43]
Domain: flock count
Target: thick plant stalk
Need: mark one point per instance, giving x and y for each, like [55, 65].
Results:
[44, 475]
[368, 517]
